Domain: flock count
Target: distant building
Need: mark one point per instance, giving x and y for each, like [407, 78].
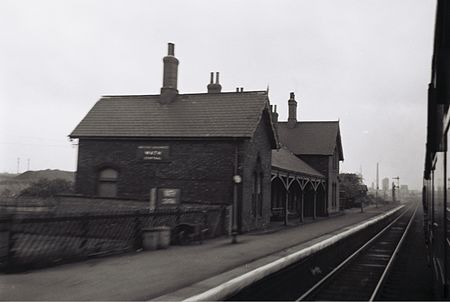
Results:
[404, 190]
[385, 184]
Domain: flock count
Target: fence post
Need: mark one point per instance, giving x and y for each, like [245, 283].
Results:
[206, 226]
[177, 219]
[137, 232]
[6, 253]
[84, 231]
[222, 222]
[205, 218]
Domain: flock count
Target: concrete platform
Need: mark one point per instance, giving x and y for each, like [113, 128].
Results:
[177, 273]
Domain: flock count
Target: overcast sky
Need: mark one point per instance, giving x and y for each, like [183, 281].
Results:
[366, 63]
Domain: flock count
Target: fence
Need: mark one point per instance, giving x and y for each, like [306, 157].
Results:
[43, 241]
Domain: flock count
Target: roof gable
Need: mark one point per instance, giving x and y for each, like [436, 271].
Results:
[234, 115]
[312, 138]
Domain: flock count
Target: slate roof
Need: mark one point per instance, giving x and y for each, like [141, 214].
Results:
[286, 160]
[232, 115]
[311, 138]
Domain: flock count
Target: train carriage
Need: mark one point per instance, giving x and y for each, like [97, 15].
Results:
[436, 181]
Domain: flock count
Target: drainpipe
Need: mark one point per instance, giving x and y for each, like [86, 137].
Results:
[286, 201]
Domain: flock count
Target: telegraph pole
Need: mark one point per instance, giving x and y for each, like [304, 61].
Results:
[361, 180]
[376, 190]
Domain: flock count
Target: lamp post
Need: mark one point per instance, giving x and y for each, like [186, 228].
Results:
[234, 229]
[237, 179]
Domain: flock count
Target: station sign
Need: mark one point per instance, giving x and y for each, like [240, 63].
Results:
[167, 196]
[153, 153]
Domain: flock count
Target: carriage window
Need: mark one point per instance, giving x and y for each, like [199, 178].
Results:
[107, 183]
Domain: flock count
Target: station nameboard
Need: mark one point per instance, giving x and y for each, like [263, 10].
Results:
[153, 153]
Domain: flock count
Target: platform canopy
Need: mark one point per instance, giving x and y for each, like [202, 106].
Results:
[283, 160]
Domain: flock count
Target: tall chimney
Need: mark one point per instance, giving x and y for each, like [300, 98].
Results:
[292, 119]
[214, 87]
[169, 90]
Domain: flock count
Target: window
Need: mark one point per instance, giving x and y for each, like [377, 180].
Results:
[107, 182]
[257, 197]
[333, 196]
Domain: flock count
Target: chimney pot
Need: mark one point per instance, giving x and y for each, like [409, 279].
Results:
[171, 50]
[242, 89]
[237, 89]
[214, 87]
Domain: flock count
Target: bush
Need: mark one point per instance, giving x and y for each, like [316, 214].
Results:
[48, 188]
[353, 191]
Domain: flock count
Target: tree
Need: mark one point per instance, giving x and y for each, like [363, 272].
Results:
[352, 190]
[47, 188]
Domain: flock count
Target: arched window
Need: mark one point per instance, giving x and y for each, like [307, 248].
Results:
[107, 182]
[257, 196]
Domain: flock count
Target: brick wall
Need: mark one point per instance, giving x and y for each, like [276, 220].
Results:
[201, 169]
[333, 180]
[259, 145]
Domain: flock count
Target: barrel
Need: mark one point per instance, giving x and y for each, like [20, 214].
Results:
[150, 238]
[164, 237]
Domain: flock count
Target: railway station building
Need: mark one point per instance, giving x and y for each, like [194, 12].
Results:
[205, 149]
[319, 145]
[177, 148]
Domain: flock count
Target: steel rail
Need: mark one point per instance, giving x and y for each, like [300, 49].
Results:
[348, 259]
[393, 256]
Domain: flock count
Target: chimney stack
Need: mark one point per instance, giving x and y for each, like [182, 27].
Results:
[292, 119]
[273, 112]
[214, 87]
[273, 109]
[169, 90]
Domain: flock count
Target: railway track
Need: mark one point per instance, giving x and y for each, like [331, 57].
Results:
[361, 275]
